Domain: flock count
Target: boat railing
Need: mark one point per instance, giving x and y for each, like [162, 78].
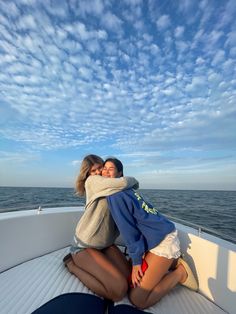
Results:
[40, 207]
[201, 229]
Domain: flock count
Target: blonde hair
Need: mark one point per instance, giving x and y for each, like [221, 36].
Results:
[85, 167]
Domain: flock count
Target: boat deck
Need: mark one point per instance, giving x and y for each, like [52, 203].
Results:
[28, 286]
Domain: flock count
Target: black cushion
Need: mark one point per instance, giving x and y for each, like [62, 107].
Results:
[71, 303]
[125, 309]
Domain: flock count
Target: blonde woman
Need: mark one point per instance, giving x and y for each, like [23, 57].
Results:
[94, 258]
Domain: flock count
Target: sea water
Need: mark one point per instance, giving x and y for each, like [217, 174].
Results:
[214, 210]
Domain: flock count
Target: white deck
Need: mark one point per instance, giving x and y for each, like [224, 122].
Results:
[31, 284]
[33, 244]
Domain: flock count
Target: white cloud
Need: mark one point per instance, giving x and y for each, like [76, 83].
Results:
[181, 46]
[80, 28]
[101, 34]
[229, 66]
[232, 52]
[163, 22]
[231, 39]
[219, 57]
[179, 31]
[52, 7]
[27, 22]
[112, 22]
[94, 7]
[228, 14]
[169, 91]
[7, 59]
[213, 37]
[185, 5]
[133, 2]
[9, 9]
[207, 12]
[200, 61]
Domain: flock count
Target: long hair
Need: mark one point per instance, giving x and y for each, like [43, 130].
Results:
[85, 167]
[118, 164]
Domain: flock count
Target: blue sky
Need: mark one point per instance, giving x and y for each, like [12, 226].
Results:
[151, 82]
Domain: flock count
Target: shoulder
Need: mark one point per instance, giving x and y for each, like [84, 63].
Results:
[91, 178]
[92, 183]
[127, 193]
[94, 179]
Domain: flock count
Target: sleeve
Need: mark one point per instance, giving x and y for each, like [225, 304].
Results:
[102, 186]
[123, 209]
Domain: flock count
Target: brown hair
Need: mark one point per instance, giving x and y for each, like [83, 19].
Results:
[85, 167]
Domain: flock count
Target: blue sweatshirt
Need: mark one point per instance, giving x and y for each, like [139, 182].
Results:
[140, 224]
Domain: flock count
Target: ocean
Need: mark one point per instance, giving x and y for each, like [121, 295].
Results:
[214, 210]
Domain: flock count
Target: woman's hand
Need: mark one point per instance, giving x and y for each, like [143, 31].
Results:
[137, 275]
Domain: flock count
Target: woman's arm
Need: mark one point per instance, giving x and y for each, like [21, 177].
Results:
[98, 186]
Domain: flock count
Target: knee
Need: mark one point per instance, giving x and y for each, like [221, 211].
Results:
[138, 300]
[119, 290]
[139, 303]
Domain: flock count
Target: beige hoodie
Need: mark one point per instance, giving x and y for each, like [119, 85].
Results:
[96, 227]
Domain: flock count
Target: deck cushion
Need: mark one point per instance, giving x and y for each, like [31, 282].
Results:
[28, 286]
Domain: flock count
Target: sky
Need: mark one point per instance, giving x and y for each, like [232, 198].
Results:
[151, 82]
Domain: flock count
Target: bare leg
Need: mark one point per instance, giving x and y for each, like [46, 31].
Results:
[89, 280]
[118, 259]
[97, 272]
[157, 281]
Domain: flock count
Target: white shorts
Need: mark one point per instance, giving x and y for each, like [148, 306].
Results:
[169, 247]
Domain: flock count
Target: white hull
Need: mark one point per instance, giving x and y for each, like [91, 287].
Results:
[27, 235]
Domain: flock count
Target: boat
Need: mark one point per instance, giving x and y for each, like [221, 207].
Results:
[32, 274]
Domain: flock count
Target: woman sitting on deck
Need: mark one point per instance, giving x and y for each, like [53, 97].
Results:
[94, 258]
[151, 239]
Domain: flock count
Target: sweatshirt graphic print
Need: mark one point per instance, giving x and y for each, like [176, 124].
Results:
[140, 224]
